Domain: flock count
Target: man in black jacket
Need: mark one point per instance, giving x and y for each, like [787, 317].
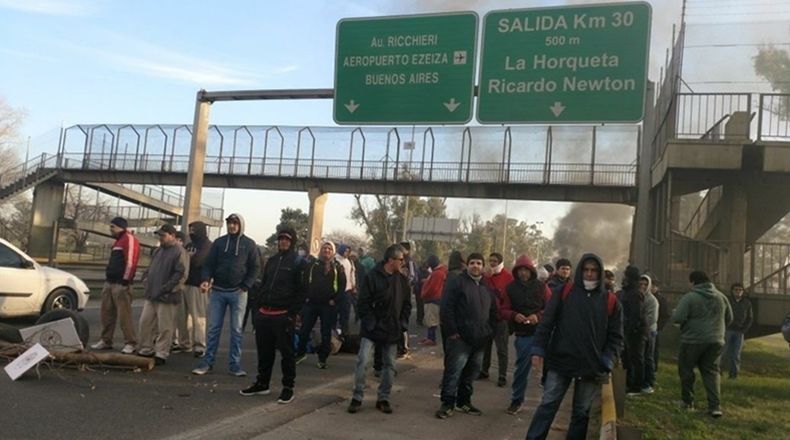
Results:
[279, 301]
[734, 335]
[664, 313]
[233, 263]
[196, 299]
[468, 316]
[635, 330]
[579, 336]
[384, 306]
[322, 280]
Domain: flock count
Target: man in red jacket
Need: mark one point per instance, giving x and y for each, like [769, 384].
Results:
[497, 279]
[432, 296]
[116, 296]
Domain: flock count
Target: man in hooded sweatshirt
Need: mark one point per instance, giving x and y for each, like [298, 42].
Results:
[703, 314]
[584, 322]
[636, 330]
[346, 299]
[468, 316]
[233, 263]
[280, 300]
[195, 298]
[322, 280]
[741, 322]
[497, 278]
[522, 307]
[164, 284]
[651, 318]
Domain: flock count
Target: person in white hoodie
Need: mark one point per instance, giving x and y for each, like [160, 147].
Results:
[348, 297]
[651, 317]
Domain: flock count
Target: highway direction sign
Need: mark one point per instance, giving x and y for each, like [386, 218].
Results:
[405, 69]
[564, 64]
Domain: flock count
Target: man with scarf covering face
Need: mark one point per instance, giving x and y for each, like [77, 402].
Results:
[579, 336]
[521, 308]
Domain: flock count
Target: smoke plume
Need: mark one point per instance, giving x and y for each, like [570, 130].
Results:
[602, 229]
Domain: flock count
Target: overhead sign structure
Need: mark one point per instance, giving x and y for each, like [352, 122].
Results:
[405, 69]
[562, 65]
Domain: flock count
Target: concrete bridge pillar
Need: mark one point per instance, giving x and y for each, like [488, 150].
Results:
[733, 228]
[315, 218]
[47, 209]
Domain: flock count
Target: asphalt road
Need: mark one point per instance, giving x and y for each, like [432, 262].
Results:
[169, 402]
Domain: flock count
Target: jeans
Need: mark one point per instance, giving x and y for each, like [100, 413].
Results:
[344, 311]
[500, 337]
[650, 362]
[523, 346]
[635, 362]
[275, 332]
[218, 301]
[387, 374]
[731, 356]
[461, 367]
[584, 393]
[706, 358]
[310, 314]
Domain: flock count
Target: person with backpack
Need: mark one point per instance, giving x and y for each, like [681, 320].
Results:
[579, 337]
[521, 307]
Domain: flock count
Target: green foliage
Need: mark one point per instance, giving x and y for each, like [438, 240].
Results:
[773, 64]
[487, 237]
[295, 218]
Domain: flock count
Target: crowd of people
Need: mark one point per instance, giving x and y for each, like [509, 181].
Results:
[571, 325]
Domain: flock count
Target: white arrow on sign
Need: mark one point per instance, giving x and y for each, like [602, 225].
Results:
[557, 109]
[351, 106]
[452, 105]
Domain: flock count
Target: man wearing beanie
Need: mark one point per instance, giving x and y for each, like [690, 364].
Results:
[432, 296]
[468, 316]
[116, 296]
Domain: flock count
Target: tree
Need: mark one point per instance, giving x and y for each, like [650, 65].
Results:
[356, 241]
[294, 218]
[15, 221]
[83, 205]
[774, 65]
[384, 220]
[10, 120]
[522, 238]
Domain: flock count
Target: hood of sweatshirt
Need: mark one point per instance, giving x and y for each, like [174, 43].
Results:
[649, 283]
[523, 260]
[578, 279]
[201, 231]
[708, 290]
[238, 236]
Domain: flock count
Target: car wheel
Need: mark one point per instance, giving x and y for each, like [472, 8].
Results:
[60, 299]
[80, 323]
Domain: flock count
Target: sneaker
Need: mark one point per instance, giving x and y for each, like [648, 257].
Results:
[633, 393]
[300, 357]
[404, 355]
[128, 349]
[101, 345]
[469, 409]
[384, 406]
[256, 389]
[647, 390]
[482, 376]
[321, 365]
[354, 406]
[715, 413]
[444, 411]
[238, 372]
[286, 396]
[176, 348]
[513, 409]
[201, 370]
[501, 382]
[159, 361]
[146, 353]
[198, 353]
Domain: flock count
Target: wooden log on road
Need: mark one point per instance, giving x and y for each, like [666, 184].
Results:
[85, 357]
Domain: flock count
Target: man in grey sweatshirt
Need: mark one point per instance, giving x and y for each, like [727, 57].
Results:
[651, 317]
[164, 284]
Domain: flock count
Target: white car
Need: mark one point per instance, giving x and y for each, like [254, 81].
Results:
[28, 288]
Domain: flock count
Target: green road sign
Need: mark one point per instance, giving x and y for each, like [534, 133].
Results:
[405, 70]
[562, 65]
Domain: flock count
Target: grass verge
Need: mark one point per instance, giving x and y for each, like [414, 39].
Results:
[756, 405]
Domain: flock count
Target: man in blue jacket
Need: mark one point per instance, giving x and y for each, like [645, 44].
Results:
[233, 264]
[579, 337]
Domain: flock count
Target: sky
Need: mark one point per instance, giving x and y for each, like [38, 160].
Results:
[69, 62]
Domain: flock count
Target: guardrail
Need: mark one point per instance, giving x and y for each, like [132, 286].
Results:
[774, 117]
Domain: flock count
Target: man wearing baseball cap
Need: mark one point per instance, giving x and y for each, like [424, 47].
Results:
[164, 284]
[116, 296]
